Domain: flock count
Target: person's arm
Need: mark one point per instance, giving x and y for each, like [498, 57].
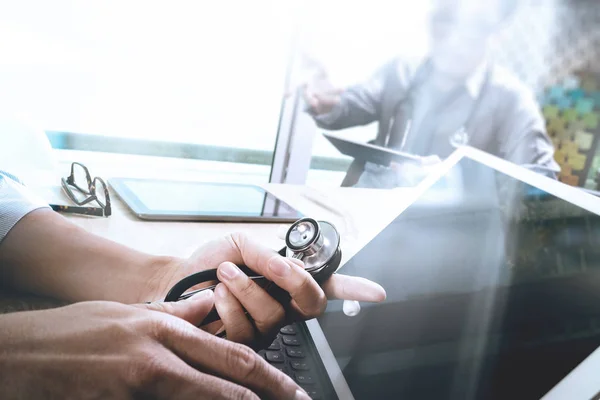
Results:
[46, 254]
[42, 253]
[357, 105]
[523, 136]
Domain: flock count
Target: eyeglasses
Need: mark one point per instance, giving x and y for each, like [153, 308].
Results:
[82, 189]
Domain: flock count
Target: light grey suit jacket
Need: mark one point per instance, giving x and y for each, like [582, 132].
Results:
[506, 122]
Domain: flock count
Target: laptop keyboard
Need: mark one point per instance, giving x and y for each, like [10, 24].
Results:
[290, 353]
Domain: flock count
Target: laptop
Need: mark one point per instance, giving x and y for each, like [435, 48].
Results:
[493, 281]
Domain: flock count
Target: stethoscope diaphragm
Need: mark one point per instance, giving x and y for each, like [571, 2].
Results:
[314, 242]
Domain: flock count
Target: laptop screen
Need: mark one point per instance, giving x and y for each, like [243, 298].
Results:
[493, 292]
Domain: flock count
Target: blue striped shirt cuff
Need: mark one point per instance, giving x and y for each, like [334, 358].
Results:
[15, 202]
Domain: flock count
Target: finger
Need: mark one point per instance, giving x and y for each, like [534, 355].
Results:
[294, 88]
[299, 302]
[257, 257]
[327, 99]
[236, 248]
[331, 101]
[232, 361]
[312, 102]
[308, 298]
[353, 288]
[193, 310]
[309, 97]
[171, 378]
[236, 323]
[266, 312]
[296, 261]
[214, 327]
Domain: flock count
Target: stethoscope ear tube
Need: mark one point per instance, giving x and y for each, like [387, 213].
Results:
[197, 278]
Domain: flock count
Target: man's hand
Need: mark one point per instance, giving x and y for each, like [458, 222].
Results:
[321, 96]
[111, 350]
[319, 93]
[237, 292]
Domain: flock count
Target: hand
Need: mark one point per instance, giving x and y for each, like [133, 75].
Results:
[318, 92]
[111, 350]
[237, 292]
[321, 96]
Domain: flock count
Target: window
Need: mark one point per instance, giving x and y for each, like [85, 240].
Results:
[181, 78]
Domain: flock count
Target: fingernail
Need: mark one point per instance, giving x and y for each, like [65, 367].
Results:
[221, 291]
[229, 271]
[300, 395]
[280, 267]
[378, 293]
[203, 295]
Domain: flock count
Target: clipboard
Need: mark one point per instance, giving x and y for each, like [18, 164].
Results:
[370, 152]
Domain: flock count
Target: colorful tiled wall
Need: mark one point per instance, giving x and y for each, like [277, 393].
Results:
[562, 37]
[572, 113]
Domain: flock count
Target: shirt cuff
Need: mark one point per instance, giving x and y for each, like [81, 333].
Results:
[16, 201]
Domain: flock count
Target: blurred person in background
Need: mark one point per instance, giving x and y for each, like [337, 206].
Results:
[453, 96]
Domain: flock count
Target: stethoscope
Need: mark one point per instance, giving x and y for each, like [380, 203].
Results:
[315, 243]
[458, 138]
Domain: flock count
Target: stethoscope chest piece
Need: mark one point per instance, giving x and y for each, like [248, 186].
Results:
[317, 244]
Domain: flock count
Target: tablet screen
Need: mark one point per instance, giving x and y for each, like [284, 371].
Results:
[172, 198]
[493, 293]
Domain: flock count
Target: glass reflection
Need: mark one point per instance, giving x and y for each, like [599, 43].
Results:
[492, 293]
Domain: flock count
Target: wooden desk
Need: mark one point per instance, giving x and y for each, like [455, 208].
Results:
[360, 214]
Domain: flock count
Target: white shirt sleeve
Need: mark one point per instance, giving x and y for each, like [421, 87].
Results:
[15, 202]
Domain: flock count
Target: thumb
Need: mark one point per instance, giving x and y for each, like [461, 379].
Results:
[193, 309]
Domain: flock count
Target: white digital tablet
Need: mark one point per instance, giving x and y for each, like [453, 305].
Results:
[201, 201]
[369, 152]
